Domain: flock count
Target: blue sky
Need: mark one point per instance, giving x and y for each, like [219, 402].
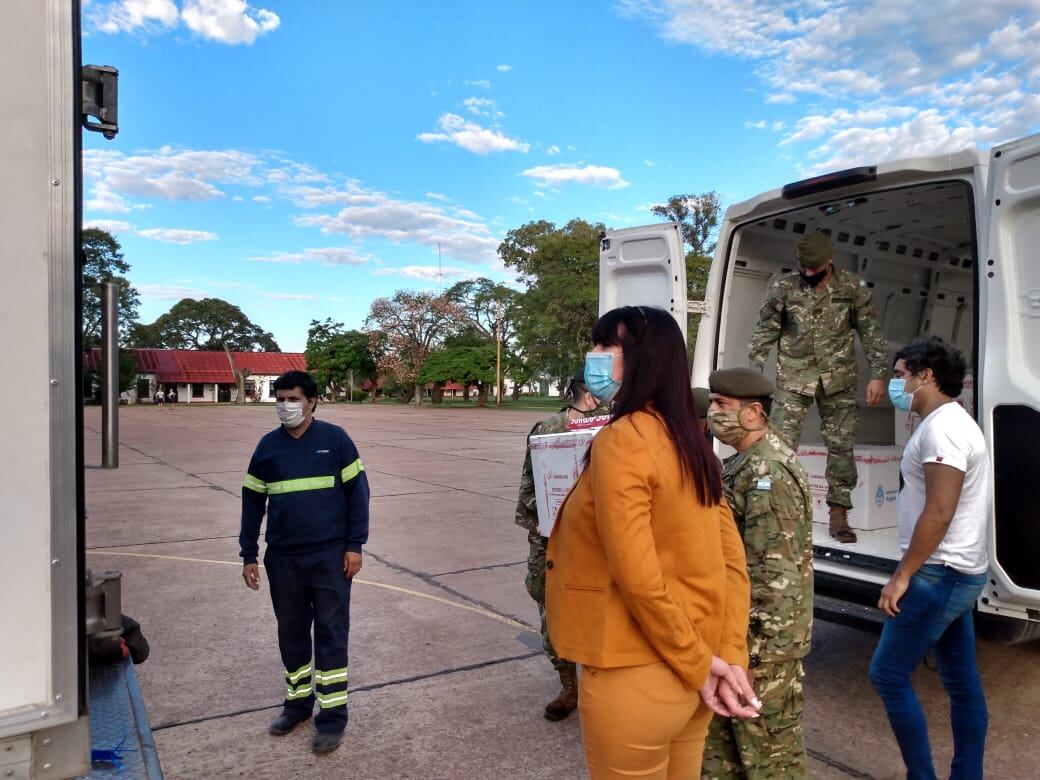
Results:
[300, 159]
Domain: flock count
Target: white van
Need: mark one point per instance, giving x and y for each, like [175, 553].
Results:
[949, 245]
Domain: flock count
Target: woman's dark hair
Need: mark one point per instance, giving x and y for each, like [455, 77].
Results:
[945, 360]
[300, 379]
[657, 373]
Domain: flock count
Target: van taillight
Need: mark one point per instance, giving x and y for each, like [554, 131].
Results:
[829, 181]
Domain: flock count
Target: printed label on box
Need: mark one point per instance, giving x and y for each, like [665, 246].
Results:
[557, 460]
[876, 491]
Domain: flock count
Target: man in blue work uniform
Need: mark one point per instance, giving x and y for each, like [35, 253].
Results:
[308, 477]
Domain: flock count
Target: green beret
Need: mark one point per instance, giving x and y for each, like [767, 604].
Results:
[814, 250]
[740, 383]
[701, 401]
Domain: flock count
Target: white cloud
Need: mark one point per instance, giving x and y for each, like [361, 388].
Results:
[483, 107]
[553, 150]
[262, 198]
[332, 255]
[109, 225]
[170, 292]
[503, 68]
[437, 196]
[130, 15]
[472, 137]
[761, 124]
[372, 214]
[164, 174]
[959, 71]
[481, 83]
[228, 21]
[649, 163]
[225, 21]
[177, 236]
[591, 175]
[428, 273]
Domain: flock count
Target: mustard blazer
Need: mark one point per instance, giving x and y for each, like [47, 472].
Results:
[638, 570]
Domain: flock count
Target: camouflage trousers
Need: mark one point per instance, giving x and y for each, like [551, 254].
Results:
[769, 747]
[837, 426]
[535, 582]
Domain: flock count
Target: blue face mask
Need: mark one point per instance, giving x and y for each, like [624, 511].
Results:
[898, 396]
[599, 370]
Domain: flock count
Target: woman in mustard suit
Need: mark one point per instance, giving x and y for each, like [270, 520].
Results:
[646, 582]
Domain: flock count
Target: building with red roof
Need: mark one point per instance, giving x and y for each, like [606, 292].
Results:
[206, 377]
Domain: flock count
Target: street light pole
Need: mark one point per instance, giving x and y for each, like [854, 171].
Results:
[498, 357]
[110, 375]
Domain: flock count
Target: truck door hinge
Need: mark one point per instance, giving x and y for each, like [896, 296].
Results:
[100, 96]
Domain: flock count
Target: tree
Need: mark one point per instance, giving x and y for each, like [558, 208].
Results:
[335, 355]
[467, 364]
[127, 375]
[698, 216]
[560, 267]
[410, 326]
[491, 309]
[103, 262]
[209, 324]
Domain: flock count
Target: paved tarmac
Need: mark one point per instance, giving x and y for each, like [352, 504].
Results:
[446, 675]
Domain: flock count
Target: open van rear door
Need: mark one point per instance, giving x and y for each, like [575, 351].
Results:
[644, 266]
[1009, 393]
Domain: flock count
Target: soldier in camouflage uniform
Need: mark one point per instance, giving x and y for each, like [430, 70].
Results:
[581, 404]
[766, 488]
[811, 317]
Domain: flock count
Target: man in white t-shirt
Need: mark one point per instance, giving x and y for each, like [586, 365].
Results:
[943, 506]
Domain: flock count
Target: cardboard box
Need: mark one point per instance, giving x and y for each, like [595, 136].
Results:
[557, 460]
[877, 487]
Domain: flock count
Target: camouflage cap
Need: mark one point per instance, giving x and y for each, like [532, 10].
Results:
[814, 250]
[740, 383]
[701, 401]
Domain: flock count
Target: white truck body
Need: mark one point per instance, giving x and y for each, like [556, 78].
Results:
[43, 728]
[947, 244]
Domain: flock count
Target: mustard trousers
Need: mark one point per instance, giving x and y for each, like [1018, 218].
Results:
[640, 721]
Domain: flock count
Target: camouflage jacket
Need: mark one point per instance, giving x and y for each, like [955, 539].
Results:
[814, 330]
[526, 505]
[768, 493]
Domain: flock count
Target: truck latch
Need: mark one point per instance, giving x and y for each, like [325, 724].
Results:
[100, 99]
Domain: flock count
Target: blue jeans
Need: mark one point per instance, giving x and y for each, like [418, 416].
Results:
[934, 614]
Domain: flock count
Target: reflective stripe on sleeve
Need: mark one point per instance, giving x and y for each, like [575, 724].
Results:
[299, 485]
[254, 484]
[351, 471]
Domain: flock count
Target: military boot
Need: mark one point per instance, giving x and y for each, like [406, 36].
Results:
[839, 525]
[567, 700]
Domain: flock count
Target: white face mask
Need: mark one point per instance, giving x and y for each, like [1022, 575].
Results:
[290, 413]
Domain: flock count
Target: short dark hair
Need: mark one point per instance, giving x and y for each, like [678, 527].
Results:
[945, 360]
[575, 388]
[300, 379]
[657, 372]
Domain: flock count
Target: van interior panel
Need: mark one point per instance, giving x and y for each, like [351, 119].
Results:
[915, 247]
